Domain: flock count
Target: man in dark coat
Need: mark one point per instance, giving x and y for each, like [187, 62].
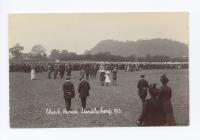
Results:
[50, 70]
[83, 90]
[69, 70]
[153, 112]
[62, 71]
[114, 76]
[95, 70]
[102, 75]
[69, 92]
[87, 72]
[142, 88]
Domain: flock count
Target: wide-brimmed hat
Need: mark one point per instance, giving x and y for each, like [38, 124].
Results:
[164, 78]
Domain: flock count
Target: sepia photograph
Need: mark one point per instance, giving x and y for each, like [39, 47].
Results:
[120, 69]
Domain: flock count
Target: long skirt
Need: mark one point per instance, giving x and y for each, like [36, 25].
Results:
[169, 114]
[32, 74]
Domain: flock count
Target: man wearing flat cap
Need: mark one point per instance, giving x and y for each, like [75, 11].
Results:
[83, 90]
[69, 93]
[142, 86]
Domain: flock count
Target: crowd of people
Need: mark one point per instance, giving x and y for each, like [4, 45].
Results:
[84, 86]
[105, 75]
[87, 71]
[156, 111]
[77, 66]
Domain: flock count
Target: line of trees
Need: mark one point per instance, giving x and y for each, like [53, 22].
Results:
[38, 53]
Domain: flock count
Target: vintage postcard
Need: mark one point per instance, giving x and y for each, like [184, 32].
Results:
[98, 69]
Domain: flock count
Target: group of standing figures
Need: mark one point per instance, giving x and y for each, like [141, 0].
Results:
[56, 69]
[105, 76]
[69, 92]
[59, 69]
[157, 110]
[84, 86]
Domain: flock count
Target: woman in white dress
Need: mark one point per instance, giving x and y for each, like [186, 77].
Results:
[107, 78]
[33, 73]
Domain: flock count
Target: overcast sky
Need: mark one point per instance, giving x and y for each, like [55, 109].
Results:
[78, 32]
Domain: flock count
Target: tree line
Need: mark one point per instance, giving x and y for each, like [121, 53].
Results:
[38, 53]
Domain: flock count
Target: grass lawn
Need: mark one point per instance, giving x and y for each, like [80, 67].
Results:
[30, 99]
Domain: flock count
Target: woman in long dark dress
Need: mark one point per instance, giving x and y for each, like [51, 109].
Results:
[165, 96]
[153, 113]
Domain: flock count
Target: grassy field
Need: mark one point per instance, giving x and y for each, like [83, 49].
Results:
[30, 99]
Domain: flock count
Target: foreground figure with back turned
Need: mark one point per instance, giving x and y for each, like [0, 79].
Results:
[153, 112]
[142, 86]
[69, 93]
[83, 89]
[165, 96]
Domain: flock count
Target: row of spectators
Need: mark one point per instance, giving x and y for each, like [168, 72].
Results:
[77, 66]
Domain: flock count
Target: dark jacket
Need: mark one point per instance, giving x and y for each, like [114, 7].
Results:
[142, 86]
[153, 113]
[68, 89]
[114, 74]
[69, 71]
[62, 69]
[83, 89]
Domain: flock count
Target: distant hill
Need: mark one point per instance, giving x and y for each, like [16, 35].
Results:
[142, 47]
